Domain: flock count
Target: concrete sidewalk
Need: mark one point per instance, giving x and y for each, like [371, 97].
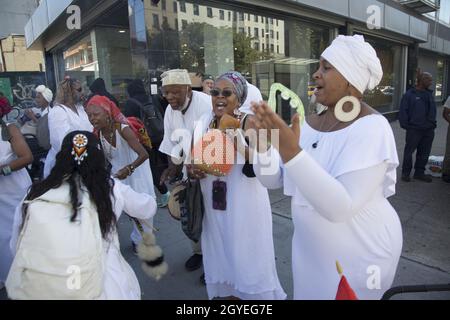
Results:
[424, 210]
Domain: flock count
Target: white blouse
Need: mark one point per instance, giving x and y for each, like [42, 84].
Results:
[174, 141]
[61, 121]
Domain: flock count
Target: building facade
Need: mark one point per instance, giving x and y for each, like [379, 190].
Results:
[266, 41]
[20, 69]
[15, 57]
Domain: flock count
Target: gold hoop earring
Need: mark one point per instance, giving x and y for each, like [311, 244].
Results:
[343, 116]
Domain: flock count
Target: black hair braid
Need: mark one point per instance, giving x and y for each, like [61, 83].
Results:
[74, 196]
[91, 174]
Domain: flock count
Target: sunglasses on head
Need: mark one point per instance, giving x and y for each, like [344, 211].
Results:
[71, 82]
[225, 92]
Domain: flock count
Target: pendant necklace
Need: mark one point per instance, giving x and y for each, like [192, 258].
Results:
[108, 144]
[315, 144]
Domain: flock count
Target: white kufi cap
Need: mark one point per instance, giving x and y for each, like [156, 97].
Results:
[176, 76]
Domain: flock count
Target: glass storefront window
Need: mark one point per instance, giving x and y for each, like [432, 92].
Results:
[385, 97]
[104, 53]
[79, 61]
[199, 38]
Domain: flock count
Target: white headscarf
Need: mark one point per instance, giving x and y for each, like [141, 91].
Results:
[46, 92]
[356, 60]
[176, 76]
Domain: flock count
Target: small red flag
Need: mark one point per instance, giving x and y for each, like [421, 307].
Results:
[344, 292]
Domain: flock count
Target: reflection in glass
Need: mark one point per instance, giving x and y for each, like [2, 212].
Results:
[104, 53]
[385, 97]
[213, 40]
[439, 80]
[80, 61]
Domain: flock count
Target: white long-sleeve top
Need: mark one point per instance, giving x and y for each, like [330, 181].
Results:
[336, 199]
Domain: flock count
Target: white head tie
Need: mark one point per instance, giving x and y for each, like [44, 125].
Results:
[356, 60]
[46, 92]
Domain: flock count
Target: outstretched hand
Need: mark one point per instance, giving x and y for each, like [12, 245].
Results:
[195, 172]
[122, 174]
[284, 138]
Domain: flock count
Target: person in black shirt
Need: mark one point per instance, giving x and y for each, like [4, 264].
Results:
[158, 160]
[418, 117]
[98, 88]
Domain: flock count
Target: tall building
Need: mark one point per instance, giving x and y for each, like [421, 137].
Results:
[267, 41]
[14, 15]
[14, 55]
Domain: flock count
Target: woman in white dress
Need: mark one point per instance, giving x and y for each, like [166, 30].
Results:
[237, 243]
[14, 183]
[66, 116]
[111, 198]
[340, 168]
[128, 158]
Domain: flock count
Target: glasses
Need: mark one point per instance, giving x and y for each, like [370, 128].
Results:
[225, 92]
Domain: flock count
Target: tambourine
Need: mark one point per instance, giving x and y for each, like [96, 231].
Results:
[214, 153]
[174, 204]
[229, 122]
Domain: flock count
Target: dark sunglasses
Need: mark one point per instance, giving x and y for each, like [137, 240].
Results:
[225, 92]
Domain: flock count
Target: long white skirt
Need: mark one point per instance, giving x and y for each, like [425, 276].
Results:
[368, 248]
[237, 244]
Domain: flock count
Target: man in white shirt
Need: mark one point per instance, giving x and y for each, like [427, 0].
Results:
[185, 108]
[44, 97]
[36, 123]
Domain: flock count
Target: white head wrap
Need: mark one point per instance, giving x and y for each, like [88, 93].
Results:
[356, 60]
[176, 76]
[46, 92]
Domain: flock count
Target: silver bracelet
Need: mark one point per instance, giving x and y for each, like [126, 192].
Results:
[6, 170]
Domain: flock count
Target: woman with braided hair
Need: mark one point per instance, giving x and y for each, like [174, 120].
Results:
[67, 115]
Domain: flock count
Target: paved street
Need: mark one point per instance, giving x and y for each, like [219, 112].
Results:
[424, 210]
